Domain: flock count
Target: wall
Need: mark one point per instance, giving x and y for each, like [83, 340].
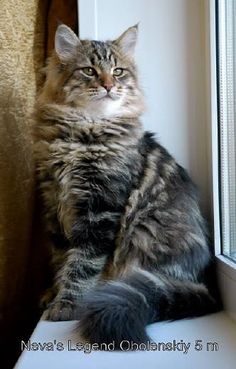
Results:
[171, 60]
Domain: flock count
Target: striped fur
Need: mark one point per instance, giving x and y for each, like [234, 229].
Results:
[130, 243]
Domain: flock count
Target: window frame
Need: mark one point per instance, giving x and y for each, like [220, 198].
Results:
[226, 267]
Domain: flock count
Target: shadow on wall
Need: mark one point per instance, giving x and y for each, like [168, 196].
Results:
[197, 100]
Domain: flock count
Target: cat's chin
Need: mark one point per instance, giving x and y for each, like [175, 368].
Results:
[105, 107]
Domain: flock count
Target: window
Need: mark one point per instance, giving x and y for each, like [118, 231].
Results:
[221, 64]
[226, 79]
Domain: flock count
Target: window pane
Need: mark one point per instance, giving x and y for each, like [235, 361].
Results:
[227, 114]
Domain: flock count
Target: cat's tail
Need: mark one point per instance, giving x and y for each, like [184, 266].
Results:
[120, 310]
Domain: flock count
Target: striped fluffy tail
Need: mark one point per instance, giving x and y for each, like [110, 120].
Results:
[120, 310]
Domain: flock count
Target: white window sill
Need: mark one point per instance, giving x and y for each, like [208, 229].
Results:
[217, 328]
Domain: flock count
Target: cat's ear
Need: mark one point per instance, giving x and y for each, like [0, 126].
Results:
[127, 41]
[66, 42]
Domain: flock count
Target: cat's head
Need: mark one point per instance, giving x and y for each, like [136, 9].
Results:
[100, 78]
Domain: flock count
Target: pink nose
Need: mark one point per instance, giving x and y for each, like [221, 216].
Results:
[108, 86]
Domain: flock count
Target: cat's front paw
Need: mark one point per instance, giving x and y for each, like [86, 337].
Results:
[60, 310]
[47, 298]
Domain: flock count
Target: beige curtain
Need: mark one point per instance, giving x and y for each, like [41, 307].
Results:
[27, 30]
[22, 45]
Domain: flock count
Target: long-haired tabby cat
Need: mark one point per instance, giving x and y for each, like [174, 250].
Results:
[130, 243]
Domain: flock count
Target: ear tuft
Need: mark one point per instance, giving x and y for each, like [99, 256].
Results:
[66, 42]
[127, 41]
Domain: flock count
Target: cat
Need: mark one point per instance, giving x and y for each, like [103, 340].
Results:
[130, 244]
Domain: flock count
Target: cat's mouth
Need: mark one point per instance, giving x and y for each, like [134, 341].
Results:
[106, 96]
[112, 96]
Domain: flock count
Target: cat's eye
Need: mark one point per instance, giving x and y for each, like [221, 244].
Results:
[117, 72]
[89, 71]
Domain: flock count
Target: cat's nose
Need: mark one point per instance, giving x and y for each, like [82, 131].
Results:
[108, 86]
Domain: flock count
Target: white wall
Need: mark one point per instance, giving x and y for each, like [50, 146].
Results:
[171, 60]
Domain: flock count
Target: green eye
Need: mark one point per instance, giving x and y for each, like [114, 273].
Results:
[89, 71]
[117, 72]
